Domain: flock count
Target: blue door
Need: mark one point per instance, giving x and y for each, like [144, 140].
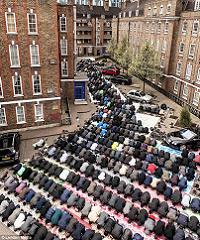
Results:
[79, 89]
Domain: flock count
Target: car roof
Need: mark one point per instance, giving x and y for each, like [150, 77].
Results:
[7, 139]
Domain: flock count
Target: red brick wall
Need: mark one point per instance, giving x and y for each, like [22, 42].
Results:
[47, 39]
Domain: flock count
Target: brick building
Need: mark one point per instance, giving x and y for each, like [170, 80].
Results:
[94, 28]
[172, 27]
[29, 64]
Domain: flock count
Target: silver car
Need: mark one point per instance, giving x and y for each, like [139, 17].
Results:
[139, 96]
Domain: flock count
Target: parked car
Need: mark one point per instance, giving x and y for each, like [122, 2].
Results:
[122, 79]
[183, 138]
[9, 147]
[113, 71]
[140, 96]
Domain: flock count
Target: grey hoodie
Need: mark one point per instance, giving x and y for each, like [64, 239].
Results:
[86, 210]
[29, 221]
[14, 215]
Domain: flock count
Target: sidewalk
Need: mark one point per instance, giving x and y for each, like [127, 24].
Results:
[83, 112]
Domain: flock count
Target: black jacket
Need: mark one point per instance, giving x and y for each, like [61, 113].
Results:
[142, 216]
[154, 204]
[136, 195]
[109, 225]
[159, 228]
[119, 204]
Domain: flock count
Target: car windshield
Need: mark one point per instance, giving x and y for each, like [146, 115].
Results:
[4, 152]
[6, 141]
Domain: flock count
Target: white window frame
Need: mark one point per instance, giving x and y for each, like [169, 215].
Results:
[1, 89]
[176, 85]
[62, 63]
[4, 116]
[196, 100]
[33, 84]
[198, 76]
[7, 28]
[155, 11]
[188, 74]
[149, 11]
[169, 8]
[162, 61]
[39, 117]
[181, 46]
[184, 92]
[63, 17]
[17, 55]
[36, 25]
[178, 68]
[159, 27]
[184, 27]
[191, 54]
[17, 115]
[195, 32]
[13, 80]
[166, 29]
[197, 5]
[164, 45]
[31, 55]
[161, 9]
[63, 46]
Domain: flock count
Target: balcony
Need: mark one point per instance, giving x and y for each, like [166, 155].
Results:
[108, 29]
[84, 36]
[107, 36]
[84, 28]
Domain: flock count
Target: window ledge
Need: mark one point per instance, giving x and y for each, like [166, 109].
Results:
[11, 33]
[190, 57]
[21, 123]
[19, 95]
[1, 96]
[195, 104]
[37, 94]
[33, 34]
[3, 125]
[36, 65]
[42, 120]
[18, 66]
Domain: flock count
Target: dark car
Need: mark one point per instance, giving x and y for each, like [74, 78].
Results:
[122, 79]
[183, 138]
[9, 147]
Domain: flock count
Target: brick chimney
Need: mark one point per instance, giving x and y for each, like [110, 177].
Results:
[106, 5]
[90, 3]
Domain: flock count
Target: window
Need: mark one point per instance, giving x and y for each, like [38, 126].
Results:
[178, 68]
[147, 27]
[17, 85]
[176, 86]
[153, 27]
[34, 52]
[63, 24]
[129, 13]
[3, 121]
[188, 71]
[162, 61]
[191, 51]
[184, 27]
[157, 45]
[195, 28]
[64, 68]
[181, 48]
[14, 55]
[39, 116]
[197, 5]
[164, 46]
[149, 11]
[166, 28]
[63, 47]
[159, 27]
[198, 76]
[161, 9]
[11, 23]
[37, 88]
[20, 114]
[32, 23]
[196, 98]
[155, 11]
[185, 91]
[1, 89]
[169, 6]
